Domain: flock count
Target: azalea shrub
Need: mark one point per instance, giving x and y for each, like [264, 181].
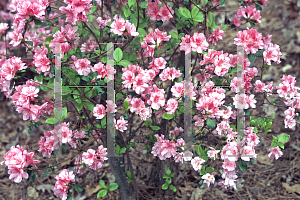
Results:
[148, 84]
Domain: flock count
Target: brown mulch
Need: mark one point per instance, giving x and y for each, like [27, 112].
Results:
[265, 179]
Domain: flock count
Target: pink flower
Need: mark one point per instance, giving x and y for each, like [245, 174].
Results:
[99, 111]
[157, 100]
[275, 152]
[82, 66]
[172, 106]
[229, 165]
[216, 35]
[145, 113]
[103, 22]
[164, 13]
[111, 106]
[212, 153]
[199, 121]
[185, 44]
[196, 162]
[62, 181]
[3, 28]
[177, 89]
[121, 124]
[118, 26]
[88, 157]
[272, 53]
[208, 179]
[199, 43]
[247, 152]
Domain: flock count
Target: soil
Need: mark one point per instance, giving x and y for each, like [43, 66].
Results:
[265, 179]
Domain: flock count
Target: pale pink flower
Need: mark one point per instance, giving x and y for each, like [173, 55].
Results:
[3, 28]
[118, 26]
[208, 179]
[275, 152]
[272, 53]
[172, 106]
[121, 124]
[196, 163]
[111, 106]
[99, 111]
[212, 153]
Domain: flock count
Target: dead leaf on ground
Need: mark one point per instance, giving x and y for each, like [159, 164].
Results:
[291, 189]
[90, 190]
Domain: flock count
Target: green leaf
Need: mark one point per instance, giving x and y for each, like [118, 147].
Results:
[251, 161]
[90, 17]
[32, 177]
[155, 128]
[258, 7]
[168, 171]
[242, 165]
[127, 12]
[277, 101]
[281, 145]
[209, 169]
[124, 63]
[211, 18]
[103, 121]
[131, 2]
[195, 11]
[274, 144]
[126, 104]
[102, 193]
[118, 54]
[55, 29]
[172, 187]
[64, 113]
[210, 123]
[283, 138]
[224, 27]
[45, 174]
[77, 188]
[119, 95]
[52, 120]
[79, 106]
[89, 105]
[102, 184]
[167, 116]
[113, 186]
[251, 57]
[221, 2]
[201, 182]
[259, 53]
[259, 121]
[29, 42]
[247, 112]
[93, 9]
[165, 186]
[63, 149]
[199, 17]
[173, 34]
[268, 125]
[168, 180]
[185, 12]
[49, 38]
[123, 150]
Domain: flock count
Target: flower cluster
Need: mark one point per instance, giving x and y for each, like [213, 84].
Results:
[103, 22]
[120, 27]
[88, 47]
[22, 98]
[9, 68]
[196, 43]
[52, 140]
[62, 184]
[67, 37]
[216, 35]
[18, 160]
[95, 159]
[159, 14]
[76, 10]
[247, 12]
[41, 61]
[154, 39]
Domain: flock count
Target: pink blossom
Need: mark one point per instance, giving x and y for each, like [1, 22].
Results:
[121, 124]
[118, 26]
[99, 111]
[177, 89]
[103, 22]
[172, 106]
[145, 113]
[275, 152]
[82, 66]
[157, 100]
[208, 179]
[212, 153]
[272, 53]
[3, 28]
[216, 35]
[164, 13]
[196, 163]
[198, 42]
[111, 106]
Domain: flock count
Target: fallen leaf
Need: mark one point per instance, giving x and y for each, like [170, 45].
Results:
[291, 189]
[90, 190]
